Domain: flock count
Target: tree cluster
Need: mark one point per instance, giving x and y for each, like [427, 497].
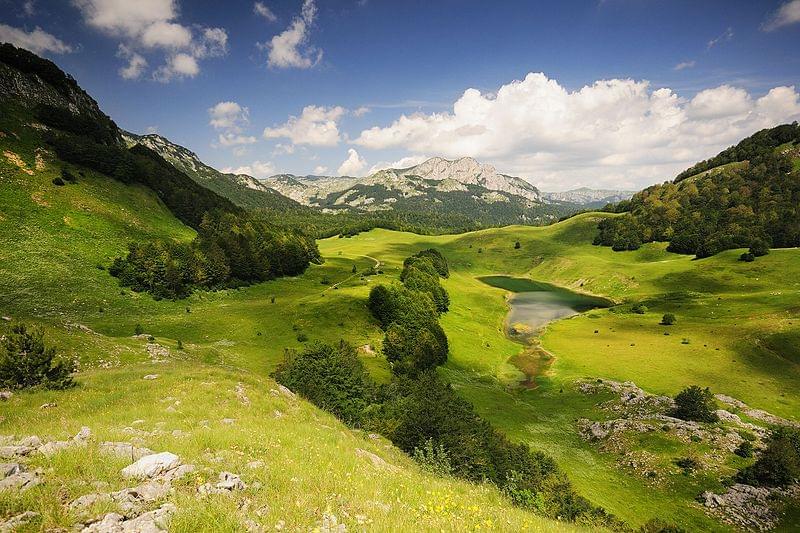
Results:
[229, 250]
[779, 464]
[425, 417]
[26, 362]
[753, 203]
[409, 313]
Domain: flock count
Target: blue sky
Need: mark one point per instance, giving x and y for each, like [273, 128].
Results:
[615, 93]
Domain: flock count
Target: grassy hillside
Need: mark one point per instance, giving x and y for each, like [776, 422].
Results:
[54, 245]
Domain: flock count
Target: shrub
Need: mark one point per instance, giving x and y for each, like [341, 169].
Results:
[138, 330]
[517, 245]
[759, 248]
[331, 377]
[694, 403]
[779, 464]
[747, 257]
[58, 182]
[668, 319]
[745, 449]
[354, 269]
[25, 362]
[687, 464]
[432, 458]
[302, 337]
[639, 309]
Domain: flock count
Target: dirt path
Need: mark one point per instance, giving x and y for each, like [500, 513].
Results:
[375, 266]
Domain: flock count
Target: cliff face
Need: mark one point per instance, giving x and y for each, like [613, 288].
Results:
[28, 81]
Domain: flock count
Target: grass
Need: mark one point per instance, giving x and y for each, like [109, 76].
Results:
[742, 321]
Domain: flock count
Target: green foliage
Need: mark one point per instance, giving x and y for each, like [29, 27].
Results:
[229, 250]
[759, 248]
[436, 258]
[517, 245]
[747, 257]
[58, 182]
[331, 377]
[639, 309]
[748, 204]
[694, 403]
[138, 330]
[668, 319]
[26, 362]
[414, 350]
[432, 458]
[745, 449]
[687, 464]
[779, 464]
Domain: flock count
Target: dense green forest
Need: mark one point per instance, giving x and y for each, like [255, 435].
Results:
[717, 205]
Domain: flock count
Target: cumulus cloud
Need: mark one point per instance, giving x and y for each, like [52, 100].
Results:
[228, 116]
[353, 165]
[404, 162]
[316, 126]
[262, 10]
[231, 139]
[37, 41]
[292, 48]
[726, 36]
[361, 111]
[683, 65]
[320, 170]
[256, 169]
[613, 133]
[136, 63]
[152, 26]
[29, 8]
[786, 15]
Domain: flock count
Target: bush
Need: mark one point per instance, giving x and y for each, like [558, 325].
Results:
[138, 330]
[668, 319]
[517, 245]
[745, 449]
[779, 463]
[747, 257]
[432, 458]
[759, 248]
[694, 403]
[654, 525]
[639, 309]
[329, 376]
[25, 362]
[58, 182]
[687, 464]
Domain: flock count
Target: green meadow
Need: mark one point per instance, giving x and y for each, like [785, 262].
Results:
[737, 332]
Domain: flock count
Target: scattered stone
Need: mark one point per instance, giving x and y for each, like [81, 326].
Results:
[278, 413]
[5, 395]
[7, 318]
[241, 393]
[757, 414]
[157, 352]
[9, 469]
[177, 473]
[746, 507]
[152, 522]
[228, 421]
[48, 405]
[9, 452]
[376, 461]
[125, 450]
[152, 465]
[170, 409]
[255, 464]
[83, 436]
[254, 527]
[15, 522]
[286, 392]
[51, 448]
[151, 376]
[32, 442]
[20, 479]
[227, 484]
[330, 524]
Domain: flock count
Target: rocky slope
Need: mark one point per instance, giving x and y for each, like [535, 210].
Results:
[589, 197]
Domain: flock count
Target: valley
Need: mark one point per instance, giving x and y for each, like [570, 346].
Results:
[181, 294]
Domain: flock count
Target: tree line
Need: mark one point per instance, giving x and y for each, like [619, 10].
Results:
[420, 412]
[753, 203]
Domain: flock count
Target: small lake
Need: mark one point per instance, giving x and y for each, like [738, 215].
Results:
[535, 304]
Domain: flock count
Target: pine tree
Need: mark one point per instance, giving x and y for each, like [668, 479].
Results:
[25, 362]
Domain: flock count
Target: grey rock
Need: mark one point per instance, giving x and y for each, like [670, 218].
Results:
[9, 469]
[5, 395]
[9, 452]
[125, 449]
[21, 480]
[376, 461]
[17, 521]
[151, 376]
[152, 465]
[153, 522]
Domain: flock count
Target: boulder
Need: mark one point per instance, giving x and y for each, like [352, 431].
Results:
[125, 449]
[21, 480]
[227, 484]
[152, 522]
[17, 521]
[152, 465]
[376, 461]
[5, 395]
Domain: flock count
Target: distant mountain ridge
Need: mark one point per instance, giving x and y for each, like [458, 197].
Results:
[589, 197]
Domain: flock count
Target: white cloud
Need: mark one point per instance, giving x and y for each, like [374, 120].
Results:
[152, 26]
[151, 130]
[786, 15]
[404, 162]
[177, 66]
[261, 9]
[37, 41]
[257, 169]
[228, 116]
[614, 133]
[29, 8]
[316, 126]
[291, 48]
[136, 63]
[726, 36]
[353, 165]
[231, 139]
[361, 111]
[320, 170]
[684, 65]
